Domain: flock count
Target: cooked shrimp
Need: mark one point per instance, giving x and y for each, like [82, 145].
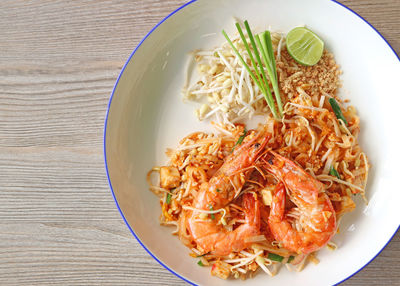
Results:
[221, 189]
[317, 217]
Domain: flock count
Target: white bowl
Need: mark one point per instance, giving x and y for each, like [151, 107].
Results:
[146, 115]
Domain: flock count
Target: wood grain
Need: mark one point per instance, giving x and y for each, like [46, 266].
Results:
[58, 64]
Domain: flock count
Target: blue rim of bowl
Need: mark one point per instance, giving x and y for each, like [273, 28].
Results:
[105, 130]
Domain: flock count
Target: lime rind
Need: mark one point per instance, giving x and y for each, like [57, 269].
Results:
[304, 46]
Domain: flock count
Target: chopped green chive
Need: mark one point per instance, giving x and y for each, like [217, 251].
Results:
[334, 172]
[337, 110]
[211, 209]
[240, 140]
[200, 263]
[168, 201]
[276, 257]
[218, 190]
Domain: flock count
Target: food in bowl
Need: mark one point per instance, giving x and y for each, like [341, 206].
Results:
[244, 200]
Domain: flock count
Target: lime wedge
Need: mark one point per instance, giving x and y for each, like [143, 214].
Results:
[304, 46]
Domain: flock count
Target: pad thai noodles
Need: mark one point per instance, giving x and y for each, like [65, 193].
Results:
[245, 201]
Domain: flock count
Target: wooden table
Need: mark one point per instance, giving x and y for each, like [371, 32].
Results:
[58, 63]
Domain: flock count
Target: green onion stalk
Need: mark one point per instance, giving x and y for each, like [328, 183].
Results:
[263, 44]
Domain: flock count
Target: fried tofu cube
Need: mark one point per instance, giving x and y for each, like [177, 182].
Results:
[169, 177]
[267, 195]
[221, 269]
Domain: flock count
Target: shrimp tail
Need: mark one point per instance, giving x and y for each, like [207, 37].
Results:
[278, 203]
[251, 206]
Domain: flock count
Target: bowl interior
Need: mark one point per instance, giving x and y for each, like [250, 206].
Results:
[146, 115]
